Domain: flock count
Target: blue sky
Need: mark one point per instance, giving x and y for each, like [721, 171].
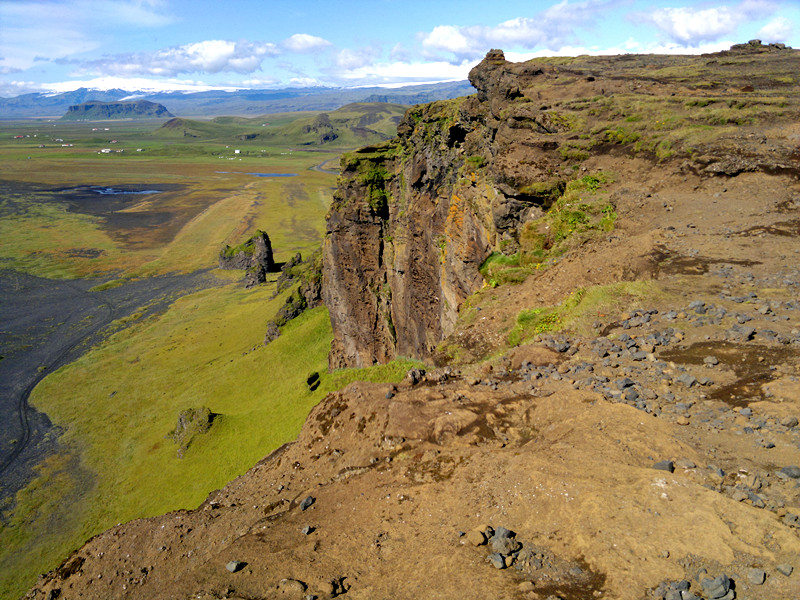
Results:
[60, 45]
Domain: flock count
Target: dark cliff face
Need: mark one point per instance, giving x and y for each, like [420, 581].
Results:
[413, 219]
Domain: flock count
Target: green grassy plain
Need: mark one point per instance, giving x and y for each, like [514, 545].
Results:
[210, 198]
[118, 403]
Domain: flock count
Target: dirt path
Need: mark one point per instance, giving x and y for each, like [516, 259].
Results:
[45, 324]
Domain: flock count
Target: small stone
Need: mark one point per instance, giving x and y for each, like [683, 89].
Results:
[665, 465]
[525, 586]
[476, 538]
[792, 471]
[739, 495]
[497, 560]
[716, 588]
[235, 566]
[710, 361]
[790, 421]
[307, 502]
[502, 532]
[503, 543]
[292, 586]
[685, 463]
[756, 576]
[307, 530]
[623, 383]
[682, 420]
[785, 569]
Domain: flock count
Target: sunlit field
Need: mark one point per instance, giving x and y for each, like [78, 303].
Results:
[160, 202]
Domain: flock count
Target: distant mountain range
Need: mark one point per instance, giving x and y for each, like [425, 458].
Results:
[242, 102]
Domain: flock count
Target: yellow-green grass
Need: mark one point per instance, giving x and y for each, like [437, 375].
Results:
[45, 239]
[581, 309]
[117, 404]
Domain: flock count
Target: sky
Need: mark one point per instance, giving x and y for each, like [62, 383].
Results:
[61, 45]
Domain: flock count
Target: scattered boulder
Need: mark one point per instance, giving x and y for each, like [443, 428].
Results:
[718, 588]
[235, 566]
[665, 465]
[497, 560]
[792, 471]
[476, 537]
[756, 576]
[293, 587]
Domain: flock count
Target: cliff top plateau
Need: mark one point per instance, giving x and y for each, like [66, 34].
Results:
[597, 257]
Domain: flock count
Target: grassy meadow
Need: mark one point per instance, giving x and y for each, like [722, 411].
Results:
[117, 405]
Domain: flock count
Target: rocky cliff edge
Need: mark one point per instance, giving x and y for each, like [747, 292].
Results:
[414, 219]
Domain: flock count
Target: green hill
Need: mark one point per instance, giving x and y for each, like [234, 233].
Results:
[352, 125]
[197, 130]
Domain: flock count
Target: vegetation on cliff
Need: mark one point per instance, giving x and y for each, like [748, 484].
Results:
[496, 187]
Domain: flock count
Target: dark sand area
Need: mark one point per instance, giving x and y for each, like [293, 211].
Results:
[45, 324]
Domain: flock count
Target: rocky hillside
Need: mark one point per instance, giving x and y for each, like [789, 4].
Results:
[102, 111]
[414, 219]
[602, 256]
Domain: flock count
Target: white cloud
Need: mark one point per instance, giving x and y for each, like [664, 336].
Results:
[209, 56]
[302, 42]
[403, 73]
[58, 29]
[553, 27]
[449, 38]
[777, 30]
[354, 59]
[688, 25]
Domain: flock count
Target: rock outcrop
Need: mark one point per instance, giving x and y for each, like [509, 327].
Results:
[253, 256]
[307, 276]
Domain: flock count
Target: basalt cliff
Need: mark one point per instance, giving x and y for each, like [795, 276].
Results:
[413, 220]
[597, 259]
